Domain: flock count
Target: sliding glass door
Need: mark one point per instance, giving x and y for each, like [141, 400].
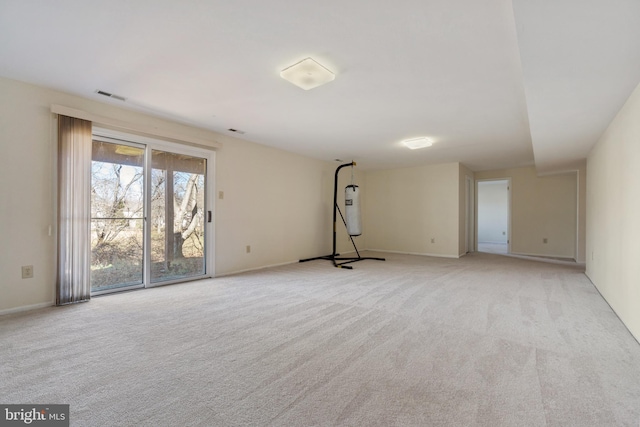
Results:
[150, 221]
[177, 216]
[117, 216]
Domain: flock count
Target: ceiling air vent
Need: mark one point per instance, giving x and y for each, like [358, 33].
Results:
[110, 95]
[236, 131]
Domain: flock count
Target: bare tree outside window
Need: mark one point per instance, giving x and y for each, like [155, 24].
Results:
[176, 224]
[177, 247]
[117, 210]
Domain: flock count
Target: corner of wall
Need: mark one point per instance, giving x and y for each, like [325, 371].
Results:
[612, 211]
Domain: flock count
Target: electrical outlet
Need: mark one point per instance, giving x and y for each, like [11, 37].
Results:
[27, 271]
[545, 240]
[248, 249]
[433, 240]
[220, 195]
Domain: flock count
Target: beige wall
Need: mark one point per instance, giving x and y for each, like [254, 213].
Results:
[277, 202]
[406, 208]
[613, 210]
[541, 207]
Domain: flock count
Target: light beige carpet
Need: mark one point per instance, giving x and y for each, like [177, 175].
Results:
[413, 341]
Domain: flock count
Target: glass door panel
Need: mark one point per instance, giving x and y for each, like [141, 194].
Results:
[177, 216]
[117, 216]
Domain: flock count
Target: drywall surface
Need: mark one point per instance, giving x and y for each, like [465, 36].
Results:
[278, 203]
[613, 212]
[414, 210]
[541, 208]
[27, 208]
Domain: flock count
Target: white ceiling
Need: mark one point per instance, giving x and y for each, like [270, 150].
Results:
[494, 83]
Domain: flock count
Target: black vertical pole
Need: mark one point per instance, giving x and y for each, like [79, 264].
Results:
[335, 204]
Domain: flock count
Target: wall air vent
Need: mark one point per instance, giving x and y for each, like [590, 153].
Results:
[110, 95]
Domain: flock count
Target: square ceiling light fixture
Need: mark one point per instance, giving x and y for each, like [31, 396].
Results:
[415, 143]
[307, 74]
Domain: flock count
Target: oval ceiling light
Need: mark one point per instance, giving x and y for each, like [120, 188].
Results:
[415, 143]
[307, 74]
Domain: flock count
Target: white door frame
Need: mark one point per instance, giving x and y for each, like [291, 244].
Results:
[209, 206]
[469, 226]
[209, 155]
[508, 179]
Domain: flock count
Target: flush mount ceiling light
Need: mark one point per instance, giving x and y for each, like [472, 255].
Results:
[415, 143]
[307, 74]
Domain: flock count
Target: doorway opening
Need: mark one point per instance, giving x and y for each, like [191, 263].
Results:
[494, 216]
[469, 225]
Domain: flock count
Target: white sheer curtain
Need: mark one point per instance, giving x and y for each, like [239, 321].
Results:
[74, 210]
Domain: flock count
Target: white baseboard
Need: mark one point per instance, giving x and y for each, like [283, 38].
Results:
[246, 270]
[26, 308]
[231, 273]
[415, 253]
[545, 258]
[543, 255]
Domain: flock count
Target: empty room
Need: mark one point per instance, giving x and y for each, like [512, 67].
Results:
[329, 213]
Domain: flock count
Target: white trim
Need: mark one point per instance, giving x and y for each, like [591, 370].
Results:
[545, 258]
[542, 255]
[415, 253]
[146, 236]
[469, 215]
[27, 308]
[149, 143]
[231, 273]
[578, 217]
[138, 129]
[509, 184]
